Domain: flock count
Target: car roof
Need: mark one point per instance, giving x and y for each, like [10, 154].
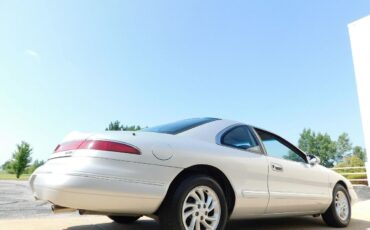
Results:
[208, 132]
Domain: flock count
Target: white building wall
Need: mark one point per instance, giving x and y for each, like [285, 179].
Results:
[359, 32]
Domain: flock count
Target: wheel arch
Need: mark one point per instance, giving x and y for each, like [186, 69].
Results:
[341, 182]
[344, 184]
[208, 170]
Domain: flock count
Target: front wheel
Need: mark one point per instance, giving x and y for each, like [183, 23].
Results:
[339, 213]
[124, 219]
[198, 203]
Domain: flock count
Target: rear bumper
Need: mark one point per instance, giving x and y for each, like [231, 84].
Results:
[114, 187]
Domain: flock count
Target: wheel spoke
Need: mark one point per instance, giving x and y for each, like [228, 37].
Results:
[212, 218]
[189, 205]
[213, 205]
[192, 223]
[195, 196]
[197, 225]
[201, 194]
[209, 201]
[206, 225]
[188, 213]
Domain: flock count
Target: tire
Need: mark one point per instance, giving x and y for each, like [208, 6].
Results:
[339, 213]
[124, 219]
[193, 196]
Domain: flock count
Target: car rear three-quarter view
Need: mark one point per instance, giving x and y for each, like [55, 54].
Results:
[192, 174]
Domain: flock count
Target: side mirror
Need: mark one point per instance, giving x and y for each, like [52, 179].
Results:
[313, 160]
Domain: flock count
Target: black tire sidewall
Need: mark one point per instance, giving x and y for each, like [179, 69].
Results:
[179, 196]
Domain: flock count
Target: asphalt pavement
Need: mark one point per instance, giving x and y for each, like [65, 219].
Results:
[16, 201]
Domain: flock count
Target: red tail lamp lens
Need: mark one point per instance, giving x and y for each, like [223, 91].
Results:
[71, 145]
[97, 145]
[109, 146]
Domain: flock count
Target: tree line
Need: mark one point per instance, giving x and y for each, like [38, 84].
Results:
[117, 126]
[339, 153]
[331, 152]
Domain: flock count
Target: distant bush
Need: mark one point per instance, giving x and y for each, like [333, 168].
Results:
[34, 166]
[352, 161]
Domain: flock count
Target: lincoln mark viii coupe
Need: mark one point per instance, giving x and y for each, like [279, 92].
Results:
[191, 174]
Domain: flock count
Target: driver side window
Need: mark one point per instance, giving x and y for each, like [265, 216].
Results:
[240, 137]
[275, 147]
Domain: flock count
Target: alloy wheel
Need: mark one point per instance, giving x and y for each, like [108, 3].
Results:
[201, 209]
[342, 205]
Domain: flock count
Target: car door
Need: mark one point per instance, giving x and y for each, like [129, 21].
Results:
[294, 185]
[249, 173]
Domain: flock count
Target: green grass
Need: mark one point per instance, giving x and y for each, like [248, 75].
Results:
[7, 176]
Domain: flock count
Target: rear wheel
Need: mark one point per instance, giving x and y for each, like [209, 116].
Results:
[198, 203]
[339, 213]
[124, 219]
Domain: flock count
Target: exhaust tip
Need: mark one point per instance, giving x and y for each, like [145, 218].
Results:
[60, 209]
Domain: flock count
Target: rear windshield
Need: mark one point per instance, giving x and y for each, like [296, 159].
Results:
[180, 126]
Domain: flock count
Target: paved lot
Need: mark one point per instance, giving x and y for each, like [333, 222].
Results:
[16, 201]
[18, 210]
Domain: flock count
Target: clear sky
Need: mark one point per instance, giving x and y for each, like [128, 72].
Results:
[77, 65]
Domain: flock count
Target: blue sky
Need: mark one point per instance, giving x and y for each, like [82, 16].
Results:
[77, 65]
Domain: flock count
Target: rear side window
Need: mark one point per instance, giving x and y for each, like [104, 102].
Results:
[240, 137]
[180, 126]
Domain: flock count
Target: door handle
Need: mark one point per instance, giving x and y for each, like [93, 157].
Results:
[277, 167]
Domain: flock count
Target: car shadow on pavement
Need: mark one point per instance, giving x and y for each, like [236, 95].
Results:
[302, 223]
[138, 225]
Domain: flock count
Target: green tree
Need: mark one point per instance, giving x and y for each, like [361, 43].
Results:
[329, 151]
[360, 153]
[307, 141]
[319, 145]
[117, 126]
[21, 158]
[114, 126]
[7, 166]
[131, 128]
[326, 149]
[292, 156]
[351, 161]
[344, 146]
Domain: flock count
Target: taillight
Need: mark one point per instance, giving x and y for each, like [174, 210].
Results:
[71, 145]
[97, 145]
[109, 146]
